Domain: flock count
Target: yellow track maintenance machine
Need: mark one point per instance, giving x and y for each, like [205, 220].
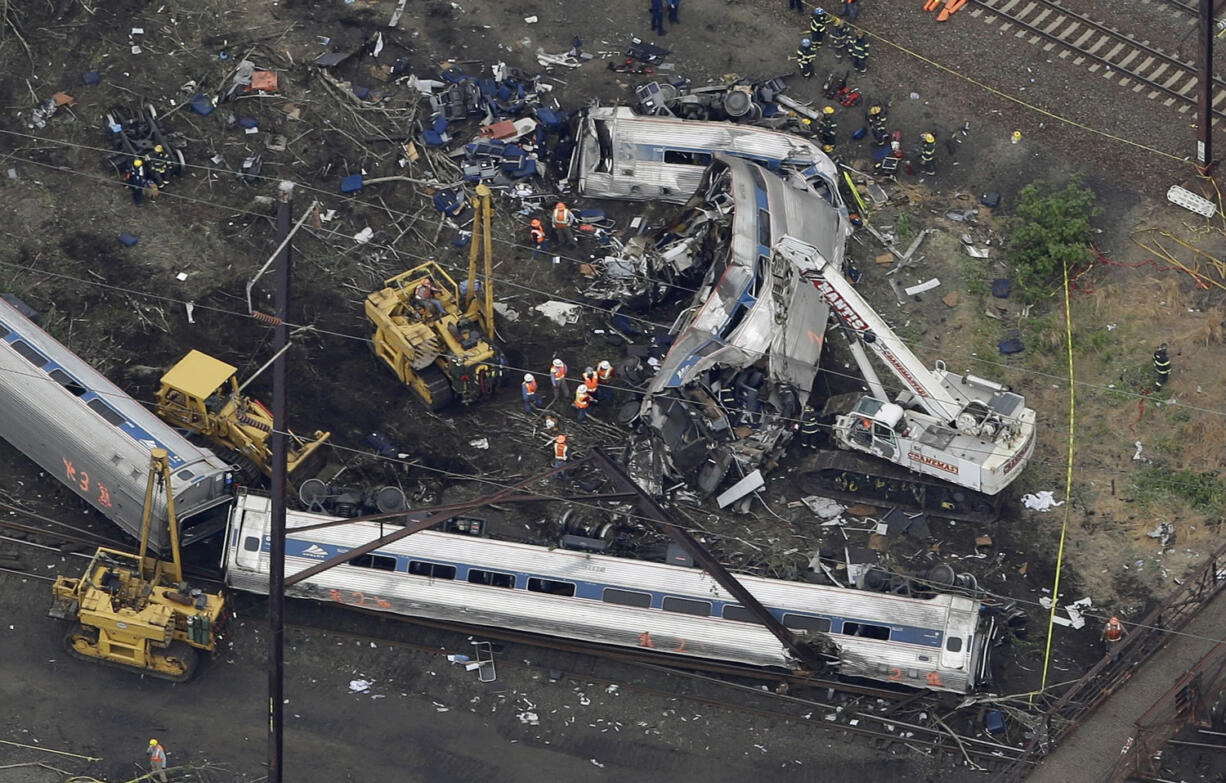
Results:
[201, 394]
[135, 611]
[436, 336]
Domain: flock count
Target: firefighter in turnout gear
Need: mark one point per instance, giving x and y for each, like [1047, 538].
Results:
[928, 151]
[1162, 365]
[840, 36]
[817, 26]
[805, 55]
[877, 125]
[810, 428]
[827, 132]
[858, 51]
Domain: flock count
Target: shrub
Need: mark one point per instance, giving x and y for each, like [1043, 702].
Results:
[1051, 228]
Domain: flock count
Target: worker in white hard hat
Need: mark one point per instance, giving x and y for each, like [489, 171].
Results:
[528, 390]
[557, 376]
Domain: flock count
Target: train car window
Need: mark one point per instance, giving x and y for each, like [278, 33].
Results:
[251, 544]
[106, 411]
[687, 158]
[4, 330]
[67, 381]
[739, 613]
[626, 598]
[800, 622]
[28, 353]
[764, 228]
[867, 631]
[687, 606]
[432, 570]
[953, 643]
[480, 576]
[377, 562]
[549, 586]
[185, 474]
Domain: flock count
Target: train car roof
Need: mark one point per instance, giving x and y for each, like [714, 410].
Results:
[626, 573]
[140, 425]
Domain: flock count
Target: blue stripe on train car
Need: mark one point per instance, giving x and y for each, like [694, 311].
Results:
[594, 591]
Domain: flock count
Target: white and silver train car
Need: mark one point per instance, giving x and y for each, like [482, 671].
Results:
[622, 155]
[939, 643]
[87, 432]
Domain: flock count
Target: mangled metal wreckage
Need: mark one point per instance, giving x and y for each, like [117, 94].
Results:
[726, 397]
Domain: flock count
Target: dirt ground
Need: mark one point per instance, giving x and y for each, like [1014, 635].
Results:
[123, 308]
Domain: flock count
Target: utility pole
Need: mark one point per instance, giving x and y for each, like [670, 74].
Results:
[1204, 91]
[276, 570]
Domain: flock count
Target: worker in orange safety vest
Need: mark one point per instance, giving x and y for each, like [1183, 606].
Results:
[557, 376]
[528, 390]
[590, 378]
[563, 219]
[536, 232]
[1113, 632]
[560, 454]
[604, 374]
[157, 760]
[583, 398]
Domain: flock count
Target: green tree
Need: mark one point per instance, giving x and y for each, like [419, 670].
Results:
[1051, 228]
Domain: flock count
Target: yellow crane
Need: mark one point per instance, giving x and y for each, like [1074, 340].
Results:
[437, 336]
[136, 611]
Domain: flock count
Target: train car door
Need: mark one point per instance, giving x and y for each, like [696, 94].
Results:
[955, 647]
[248, 541]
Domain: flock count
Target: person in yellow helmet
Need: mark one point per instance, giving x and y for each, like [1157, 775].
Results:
[840, 37]
[159, 166]
[928, 151]
[157, 760]
[136, 180]
[877, 124]
[827, 132]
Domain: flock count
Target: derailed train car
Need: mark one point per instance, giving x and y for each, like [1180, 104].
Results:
[939, 643]
[84, 430]
[726, 397]
[623, 155]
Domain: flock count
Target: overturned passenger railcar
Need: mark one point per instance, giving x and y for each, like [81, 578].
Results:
[941, 642]
[728, 395]
[84, 430]
[622, 155]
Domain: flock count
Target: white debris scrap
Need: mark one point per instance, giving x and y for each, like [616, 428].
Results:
[364, 236]
[360, 686]
[561, 313]
[927, 285]
[1165, 531]
[1041, 501]
[823, 507]
[1137, 456]
[480, 443]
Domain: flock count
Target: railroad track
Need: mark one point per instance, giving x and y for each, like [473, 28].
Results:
[888, 719]
[1102, 50]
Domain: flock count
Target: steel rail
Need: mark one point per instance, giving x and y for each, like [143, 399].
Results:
[1011, 11]
[920, 738]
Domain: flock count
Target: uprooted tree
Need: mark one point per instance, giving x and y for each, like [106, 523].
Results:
[1051, 228]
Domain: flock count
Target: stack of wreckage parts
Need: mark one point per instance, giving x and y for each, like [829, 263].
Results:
[135, 134]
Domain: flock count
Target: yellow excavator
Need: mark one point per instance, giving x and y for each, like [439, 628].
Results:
[436, 336]
[135, 611]
[201, 394]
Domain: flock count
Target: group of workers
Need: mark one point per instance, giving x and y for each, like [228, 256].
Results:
[842, 41]
[148, 174]
[593, 388]
[657, 14]
[563, 222]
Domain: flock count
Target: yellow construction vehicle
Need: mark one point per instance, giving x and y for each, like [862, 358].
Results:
[136, 611]
[201, 394]
[436, 336]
